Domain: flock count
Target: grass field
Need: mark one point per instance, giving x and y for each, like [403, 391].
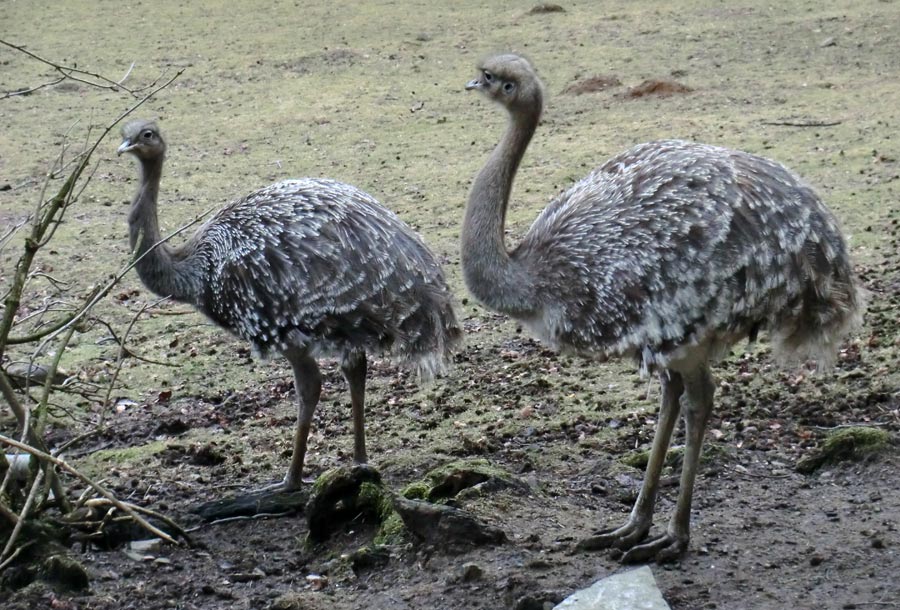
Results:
[372, 94]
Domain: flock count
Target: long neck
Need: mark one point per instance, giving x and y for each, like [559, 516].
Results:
[160, 268]
[501, 283]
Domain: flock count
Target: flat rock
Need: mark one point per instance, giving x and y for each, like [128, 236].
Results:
[631, 590]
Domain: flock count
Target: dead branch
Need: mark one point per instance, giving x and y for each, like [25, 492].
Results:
[73, 73]
[120, 358]
[803, 123]
[26, 508]
[126, 508]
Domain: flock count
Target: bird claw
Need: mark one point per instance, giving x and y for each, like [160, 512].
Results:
[661, 549]
[623, 537]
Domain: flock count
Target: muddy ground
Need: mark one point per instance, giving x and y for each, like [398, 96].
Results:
[373, 95]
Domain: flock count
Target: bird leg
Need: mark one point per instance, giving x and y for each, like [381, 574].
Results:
[697, 405]
[638, 524]
[353, 365]
[308, 385]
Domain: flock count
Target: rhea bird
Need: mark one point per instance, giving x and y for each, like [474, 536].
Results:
[670, 253]
[305, 268]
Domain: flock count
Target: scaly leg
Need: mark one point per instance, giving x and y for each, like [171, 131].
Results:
[638, 524]
[699, 392]
[353, 365]
[308, 385]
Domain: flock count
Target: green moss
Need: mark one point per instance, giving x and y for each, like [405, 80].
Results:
[674, 456]
[100, 461]
[392, 530]
[417, 490]
[846, 444]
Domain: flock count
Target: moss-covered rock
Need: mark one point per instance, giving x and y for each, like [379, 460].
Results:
[448, 480]
[846, 444]
[341, 494]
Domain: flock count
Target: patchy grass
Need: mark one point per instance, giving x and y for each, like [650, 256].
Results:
[371, 93]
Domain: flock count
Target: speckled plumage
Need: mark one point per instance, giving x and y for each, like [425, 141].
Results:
[306, 268]
[319, 264]
[669, 252]
[673, 244]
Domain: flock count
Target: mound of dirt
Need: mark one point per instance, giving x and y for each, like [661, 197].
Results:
[545, 7]
[659, 88]
[592, 84]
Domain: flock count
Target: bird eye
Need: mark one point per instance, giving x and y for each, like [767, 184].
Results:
[509, 87]
[488, 77]
[147, 134]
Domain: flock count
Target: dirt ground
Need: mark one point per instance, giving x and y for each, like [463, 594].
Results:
[372, 95]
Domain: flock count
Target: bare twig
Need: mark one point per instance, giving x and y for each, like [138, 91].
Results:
[803, 123]
[862, 425]
[40, 228]
[15, 554]
[76, 74]
[120, 358]
[28, 90]
[128, 509]
[150, 513]
[23, 514]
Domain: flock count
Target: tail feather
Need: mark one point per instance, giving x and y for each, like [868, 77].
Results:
[829, 310]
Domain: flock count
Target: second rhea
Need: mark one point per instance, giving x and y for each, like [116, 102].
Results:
[669, 253]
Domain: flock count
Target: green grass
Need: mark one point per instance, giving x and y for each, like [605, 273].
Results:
[372, 93]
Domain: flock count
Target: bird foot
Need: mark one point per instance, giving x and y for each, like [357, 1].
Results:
[281, 487]
[624, 537]
[661, 549]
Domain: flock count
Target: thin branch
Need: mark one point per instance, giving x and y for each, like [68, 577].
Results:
[29, 90]
[150, 513]
[29, 502]
[120, 358]
[803, 123]
[99, 81]
[32, 244]
[15, 554]
[129, 510]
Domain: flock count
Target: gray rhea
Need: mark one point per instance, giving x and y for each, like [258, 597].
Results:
[669, 253]
[305, 268]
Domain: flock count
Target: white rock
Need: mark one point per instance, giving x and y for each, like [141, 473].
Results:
[151, 545]
[632, 590]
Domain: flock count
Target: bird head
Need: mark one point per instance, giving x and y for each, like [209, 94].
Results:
[510, 81]
[142, 139]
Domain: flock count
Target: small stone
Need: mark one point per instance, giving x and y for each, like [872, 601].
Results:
[634, 589]
[65, 573]
[256, 574]
[828, 42]
[471, 572]
[877, 543]
[135, 556]
[317, 582]
[816, 560]
[150, 545]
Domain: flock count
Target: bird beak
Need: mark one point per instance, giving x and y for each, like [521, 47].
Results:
[474, 84]
[124, 147]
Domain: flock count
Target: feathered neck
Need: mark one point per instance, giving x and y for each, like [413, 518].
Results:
[496, 280]
[163, 269]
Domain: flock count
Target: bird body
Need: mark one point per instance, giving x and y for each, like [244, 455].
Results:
[669, 252]
[673, 245]
[305, 268]
[302, 263]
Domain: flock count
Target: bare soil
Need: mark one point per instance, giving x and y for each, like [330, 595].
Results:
[371, 93]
